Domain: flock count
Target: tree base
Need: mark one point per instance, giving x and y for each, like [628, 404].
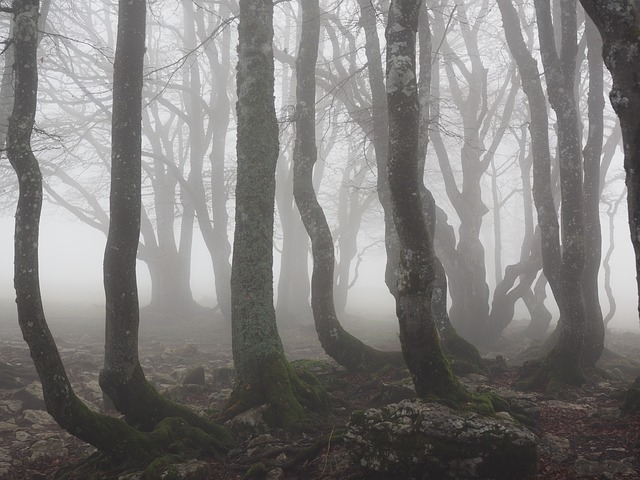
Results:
[553, 375]
[290, 395]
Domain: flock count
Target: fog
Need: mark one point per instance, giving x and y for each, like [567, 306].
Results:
[71, 274]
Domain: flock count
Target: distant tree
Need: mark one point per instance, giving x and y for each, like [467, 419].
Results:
[563, 257]
[416, 272]
[263, 375]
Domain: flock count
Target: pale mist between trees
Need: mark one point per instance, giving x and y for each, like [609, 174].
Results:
[453, 168]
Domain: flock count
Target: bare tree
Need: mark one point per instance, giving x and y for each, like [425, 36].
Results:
[263, 375]
[418, 333]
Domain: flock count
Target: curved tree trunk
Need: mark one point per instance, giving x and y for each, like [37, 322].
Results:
[121, 442]
[122, 378]
[263, 375]
[418, 333]
[344, 348]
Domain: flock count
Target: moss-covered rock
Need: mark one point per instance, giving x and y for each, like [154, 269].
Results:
[416, 439]
[193, 376]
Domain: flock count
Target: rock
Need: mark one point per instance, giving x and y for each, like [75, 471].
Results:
[260, 445]
[49, 448]
[554, 447]
[260, 440]
[38, 417]
[8, 426]
[221, 395]
[10, 407]
[607, 469]
[191, 470]
[31, 396]
[193, 376]
[416, 438]
[275, 474]
[251, 420]
[393, 392]
[224, 375]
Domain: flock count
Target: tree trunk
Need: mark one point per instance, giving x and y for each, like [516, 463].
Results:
[454, 345]
[121, 442]
[343, 347]
[594, 325]
[380, 129]
[561, 267]
[122, 378]
[619, 24]
[418, 334]
[263, 375]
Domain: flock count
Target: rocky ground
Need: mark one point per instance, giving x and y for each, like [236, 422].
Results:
[582, 435]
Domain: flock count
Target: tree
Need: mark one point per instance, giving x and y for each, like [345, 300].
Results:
[561, 265]
[344, 348]
[416, 272]
[263, 375]
[619, 24]
[120, 442]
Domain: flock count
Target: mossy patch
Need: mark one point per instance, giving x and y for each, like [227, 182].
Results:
[290, 395]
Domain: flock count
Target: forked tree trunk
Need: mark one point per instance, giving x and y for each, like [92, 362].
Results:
[416, 274]
[343, 347]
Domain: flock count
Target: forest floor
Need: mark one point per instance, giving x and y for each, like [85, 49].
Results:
[581, 435]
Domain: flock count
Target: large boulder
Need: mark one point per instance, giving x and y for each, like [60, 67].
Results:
[417, 439]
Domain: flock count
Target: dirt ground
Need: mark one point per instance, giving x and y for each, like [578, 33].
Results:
[582, 435]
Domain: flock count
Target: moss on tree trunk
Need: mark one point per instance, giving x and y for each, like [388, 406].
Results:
[263, 375]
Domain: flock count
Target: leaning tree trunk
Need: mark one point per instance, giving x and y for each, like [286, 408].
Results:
[619, 24]
[122, 443]
[418, 334]
[343, 347]
[122, 378]
[263, 375]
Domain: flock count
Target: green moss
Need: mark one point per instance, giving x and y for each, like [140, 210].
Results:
[290, 395]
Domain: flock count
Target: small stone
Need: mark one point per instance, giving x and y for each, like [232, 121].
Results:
[8, 426]
[38, 417]
[275, 474]
[504, 416]
[49, 448]
[260, 440]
